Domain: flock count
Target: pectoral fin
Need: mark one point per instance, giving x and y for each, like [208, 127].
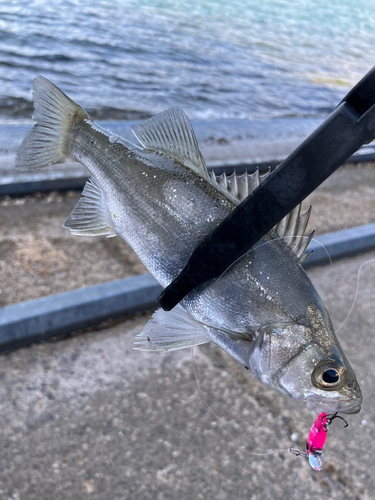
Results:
[169, 331]
[177, 329]
[240, 350]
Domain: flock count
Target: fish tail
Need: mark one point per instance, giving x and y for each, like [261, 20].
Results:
[55, 115]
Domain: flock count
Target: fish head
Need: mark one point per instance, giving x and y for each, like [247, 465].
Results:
[304, 360]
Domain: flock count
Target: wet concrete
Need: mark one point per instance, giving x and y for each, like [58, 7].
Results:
[87, 417]
[344, 200]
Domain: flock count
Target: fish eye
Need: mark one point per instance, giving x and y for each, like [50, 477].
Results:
[328, 375]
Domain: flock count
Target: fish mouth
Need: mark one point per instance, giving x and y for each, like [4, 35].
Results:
[319, 404]
[352, 411]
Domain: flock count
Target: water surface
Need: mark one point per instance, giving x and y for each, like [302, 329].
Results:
[216, 59]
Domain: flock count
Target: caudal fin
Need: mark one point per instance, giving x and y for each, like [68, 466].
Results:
[48, 142]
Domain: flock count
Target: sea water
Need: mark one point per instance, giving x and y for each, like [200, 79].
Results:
[127, 59]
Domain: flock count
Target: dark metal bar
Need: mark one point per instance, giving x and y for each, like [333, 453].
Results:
[28, 322]
[43, 185]
[340, 244]
[35, 320]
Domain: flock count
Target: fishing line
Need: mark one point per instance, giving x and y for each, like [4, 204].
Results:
[273, 452]
[271, 241]
[356, 293]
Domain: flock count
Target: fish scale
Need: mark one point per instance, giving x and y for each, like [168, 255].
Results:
[159, 197]
[136, 192]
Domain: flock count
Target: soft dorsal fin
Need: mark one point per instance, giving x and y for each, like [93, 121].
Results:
[172, 134]
[236, 187]
[90, 217]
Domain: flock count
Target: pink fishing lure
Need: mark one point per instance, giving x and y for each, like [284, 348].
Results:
[317, 439]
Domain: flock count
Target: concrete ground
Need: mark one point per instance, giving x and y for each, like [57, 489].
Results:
[87, 417]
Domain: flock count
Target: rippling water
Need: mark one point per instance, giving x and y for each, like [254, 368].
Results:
[215, 58]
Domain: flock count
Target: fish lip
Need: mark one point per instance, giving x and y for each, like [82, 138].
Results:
[352, 411]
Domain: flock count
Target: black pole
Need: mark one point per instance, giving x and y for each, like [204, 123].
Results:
[350, 126]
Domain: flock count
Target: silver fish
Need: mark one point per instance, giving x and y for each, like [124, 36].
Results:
[160, 198]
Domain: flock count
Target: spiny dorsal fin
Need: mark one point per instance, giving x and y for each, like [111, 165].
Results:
[90, 217]
[172, 134]
[237, 187]
[169, 331]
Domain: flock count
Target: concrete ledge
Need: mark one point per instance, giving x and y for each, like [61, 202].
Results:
[225, 144]
[35, 320]
[341, 244]
[27, 187]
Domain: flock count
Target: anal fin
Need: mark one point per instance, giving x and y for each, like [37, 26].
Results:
[90, 217]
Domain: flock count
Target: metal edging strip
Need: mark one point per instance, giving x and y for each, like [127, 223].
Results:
[35, 320]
